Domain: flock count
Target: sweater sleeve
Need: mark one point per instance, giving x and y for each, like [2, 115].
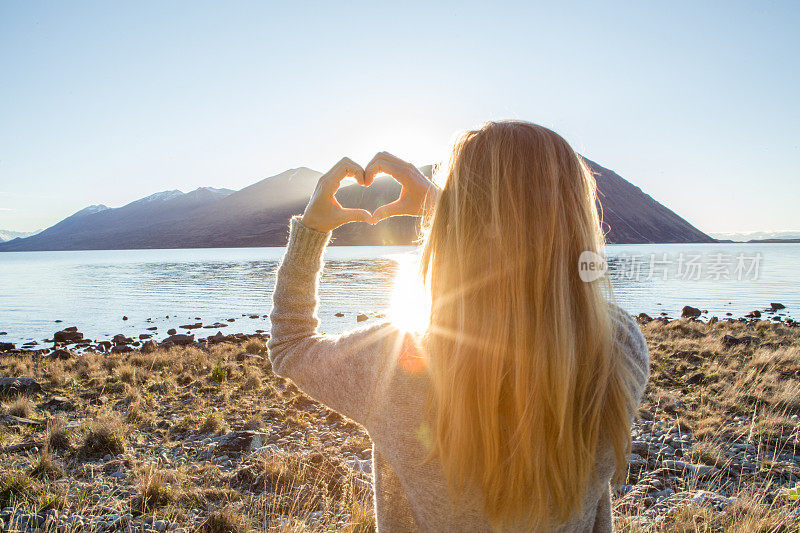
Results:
[341, 371]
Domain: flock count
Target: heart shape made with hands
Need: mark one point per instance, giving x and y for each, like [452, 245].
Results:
[324, 213]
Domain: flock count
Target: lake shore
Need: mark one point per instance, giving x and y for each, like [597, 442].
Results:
[161, 436]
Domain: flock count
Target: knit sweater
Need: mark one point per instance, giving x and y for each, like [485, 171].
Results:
[367, 375]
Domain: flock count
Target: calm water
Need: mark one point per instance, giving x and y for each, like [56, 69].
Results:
[95, 289]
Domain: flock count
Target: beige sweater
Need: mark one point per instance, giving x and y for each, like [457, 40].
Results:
[358, 374]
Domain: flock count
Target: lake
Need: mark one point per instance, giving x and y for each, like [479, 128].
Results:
[95, 289]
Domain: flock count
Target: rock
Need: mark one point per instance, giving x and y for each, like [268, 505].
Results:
[219, 337]
[777, 306]
[728, 341]
[104, 345]
[340, 314]
[713, 320]
[62, 354]
[172, 331]
[644, 318]
[121, 348]
[121, 339]
[179, 339]
[637, 461]
[153, 328]
[149, 346]
[124, 318]
[361, 317]
[198, 325]
[68, 335]
[690, 312]
[240, 441]
[15, 386]
[7, 346]
[58, 403]
[753, 314]
[705, 496]
[144, 336]
[696, 379]
[689, 468]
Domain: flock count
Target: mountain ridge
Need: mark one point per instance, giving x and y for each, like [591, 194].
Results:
[258, 215]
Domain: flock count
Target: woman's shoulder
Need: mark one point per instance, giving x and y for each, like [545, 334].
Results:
[630, 340]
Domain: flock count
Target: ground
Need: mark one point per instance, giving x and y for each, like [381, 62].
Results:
[189, 438]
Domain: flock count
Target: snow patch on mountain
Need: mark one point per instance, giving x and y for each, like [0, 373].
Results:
[90, 210]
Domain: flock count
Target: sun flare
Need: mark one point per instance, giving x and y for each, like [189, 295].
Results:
[410, 305]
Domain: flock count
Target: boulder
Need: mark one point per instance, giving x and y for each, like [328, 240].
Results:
[68, 335]
[172, 331]
[180, 339]
[219, 337]
[753, 314]
[154, 328]
[6, 346]
[198, 325]
[119, 338]
[644, 318]
[121, 348]
[361, 317]
[104, 345]
[16, 386]
[62, 354]
[340, 314]
[144, 336]
[690, 312]
[777, 306]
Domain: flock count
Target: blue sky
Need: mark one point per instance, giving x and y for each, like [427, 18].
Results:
[105, 102]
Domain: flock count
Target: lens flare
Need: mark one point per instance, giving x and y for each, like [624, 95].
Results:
[410, 306]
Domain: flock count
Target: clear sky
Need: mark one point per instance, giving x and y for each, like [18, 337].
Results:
[697, 103]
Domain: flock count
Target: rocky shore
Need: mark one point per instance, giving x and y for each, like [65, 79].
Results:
[198, 434]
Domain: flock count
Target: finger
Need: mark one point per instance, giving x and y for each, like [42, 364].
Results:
[398, 207]
[356, 215]
[386, 163]
[344, 168]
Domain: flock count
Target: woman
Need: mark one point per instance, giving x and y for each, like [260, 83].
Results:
[513, 411]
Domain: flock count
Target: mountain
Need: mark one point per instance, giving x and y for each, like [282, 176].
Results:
[258, 216]
[632, 217]
[759, 236]
[7, 234]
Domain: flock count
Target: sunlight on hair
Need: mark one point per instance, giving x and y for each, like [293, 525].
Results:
[410, 307]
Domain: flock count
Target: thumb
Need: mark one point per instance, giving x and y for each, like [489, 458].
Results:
[356, 215]
[386, 211]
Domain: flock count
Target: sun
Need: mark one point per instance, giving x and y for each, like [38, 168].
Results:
[410, 306]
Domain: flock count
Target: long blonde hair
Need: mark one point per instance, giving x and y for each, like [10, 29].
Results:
[520, 352]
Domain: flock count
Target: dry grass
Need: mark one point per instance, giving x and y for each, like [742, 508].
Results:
[133, 406]
[104, 435]
[21, 407]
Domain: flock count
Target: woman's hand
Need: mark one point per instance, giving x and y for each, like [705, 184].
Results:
[418, 195]
[323, 212]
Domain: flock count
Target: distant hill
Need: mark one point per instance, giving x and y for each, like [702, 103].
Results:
[7, 235]
[258, 215]
[760, 236]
